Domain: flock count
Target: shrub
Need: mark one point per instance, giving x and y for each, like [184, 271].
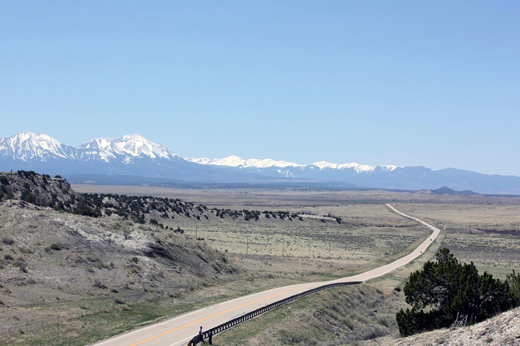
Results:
[179, 230]
[368, 333]
[28, 196]
[99, 284]
[513, 284]
[56, 247]
[7, 241]
[447, 288]
[20, 263]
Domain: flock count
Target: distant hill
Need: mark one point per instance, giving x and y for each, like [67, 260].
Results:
[447, 191]
[131, 159]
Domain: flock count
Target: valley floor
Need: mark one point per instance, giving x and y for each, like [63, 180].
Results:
[64, 276]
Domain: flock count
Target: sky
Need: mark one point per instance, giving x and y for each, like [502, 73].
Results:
[408, 83]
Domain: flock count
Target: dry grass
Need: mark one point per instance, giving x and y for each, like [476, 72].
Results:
[314, 250]
[331, 317]
[269, 253]
[487, 235]
[293, 197]
[70, 282]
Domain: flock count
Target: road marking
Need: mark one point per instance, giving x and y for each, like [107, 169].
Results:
[182, 341]
[359, 277]
[208, 317]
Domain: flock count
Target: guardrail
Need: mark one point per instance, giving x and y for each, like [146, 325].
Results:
[259, 311]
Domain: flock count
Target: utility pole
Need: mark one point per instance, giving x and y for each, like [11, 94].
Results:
[247, 245]
[196, 233]
[309, 249]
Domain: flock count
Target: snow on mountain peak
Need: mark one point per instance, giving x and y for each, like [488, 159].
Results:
[130, 146]
[29, 145]
[232, 161]
[235, 161]
[202, 160]
[356, 166]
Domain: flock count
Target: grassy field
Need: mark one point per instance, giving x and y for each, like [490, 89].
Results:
[270, 252]
[78, 275]
[487, 235]
[351, 315]
[293, 198]
[336, 316]
[313, 249]
[484, 234]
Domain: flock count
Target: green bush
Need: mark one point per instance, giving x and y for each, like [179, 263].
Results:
[445, 289]
[513, 284]
[56, 247]
[28, 196]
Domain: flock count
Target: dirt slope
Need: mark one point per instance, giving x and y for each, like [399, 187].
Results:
[501, 330]
[54, 261]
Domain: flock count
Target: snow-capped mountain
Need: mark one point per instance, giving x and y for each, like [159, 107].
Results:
[126, 155]
[136, 157]
[27, 146]
[129, 146]
[355, 166]
[235, 161]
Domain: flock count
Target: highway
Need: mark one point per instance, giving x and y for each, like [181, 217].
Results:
[180, 329]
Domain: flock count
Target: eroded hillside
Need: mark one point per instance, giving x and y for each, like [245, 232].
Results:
[502, 330]
[56, 265]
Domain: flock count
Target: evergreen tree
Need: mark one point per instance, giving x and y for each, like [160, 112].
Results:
[444, 289]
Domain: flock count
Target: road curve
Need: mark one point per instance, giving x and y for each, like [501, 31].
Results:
[179, 330]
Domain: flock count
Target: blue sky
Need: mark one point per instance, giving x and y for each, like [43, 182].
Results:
[409, 83]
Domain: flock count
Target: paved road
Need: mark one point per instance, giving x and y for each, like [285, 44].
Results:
[179, 330]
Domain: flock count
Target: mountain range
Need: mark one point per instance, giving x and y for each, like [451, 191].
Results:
[145, 161]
